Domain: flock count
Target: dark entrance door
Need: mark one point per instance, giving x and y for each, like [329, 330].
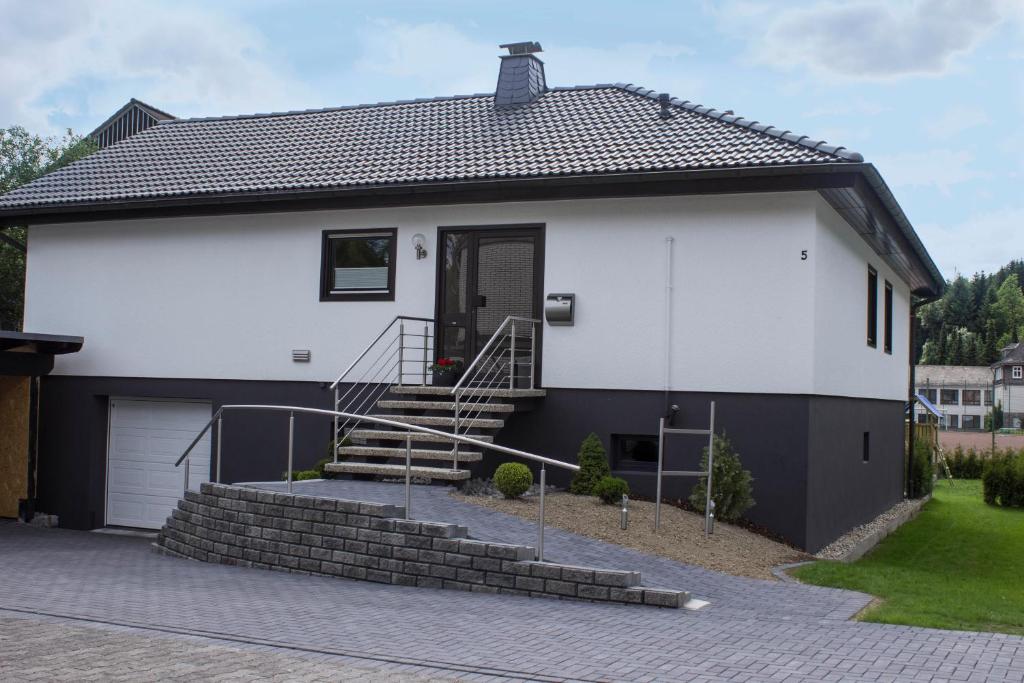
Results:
[487, 274]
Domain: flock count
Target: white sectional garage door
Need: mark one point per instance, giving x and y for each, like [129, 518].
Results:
[146, 437]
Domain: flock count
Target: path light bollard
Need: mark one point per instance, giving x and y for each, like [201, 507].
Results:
[187, 463]
[624, 514]
[710, 525]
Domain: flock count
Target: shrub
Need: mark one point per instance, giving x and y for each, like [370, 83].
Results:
[731, 485]
[1003, 480]
[303, 475]
[921, 470]
[611, 489]
[513, 479]
[593, 462]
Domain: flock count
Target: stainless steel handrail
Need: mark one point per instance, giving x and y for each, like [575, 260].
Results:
[497, 334]
[336, 382]
[409, 430]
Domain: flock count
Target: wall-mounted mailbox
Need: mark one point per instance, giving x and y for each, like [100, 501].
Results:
[560, 309]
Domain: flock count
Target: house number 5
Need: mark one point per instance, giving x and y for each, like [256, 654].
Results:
[803, 255]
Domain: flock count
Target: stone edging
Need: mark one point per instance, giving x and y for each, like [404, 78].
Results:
[370, 541]
[866, 544]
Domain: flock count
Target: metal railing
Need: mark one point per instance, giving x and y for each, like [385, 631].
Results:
[501, 364]
[405, 341]
[218, 418]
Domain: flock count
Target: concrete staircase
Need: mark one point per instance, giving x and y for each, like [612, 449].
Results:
[373, 450]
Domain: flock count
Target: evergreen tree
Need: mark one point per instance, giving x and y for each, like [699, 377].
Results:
[1009, 310]
[955, 348]
[958, 304]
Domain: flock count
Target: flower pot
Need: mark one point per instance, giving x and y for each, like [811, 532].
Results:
[445, 378]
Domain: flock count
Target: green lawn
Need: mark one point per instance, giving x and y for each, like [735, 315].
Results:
[958, 565]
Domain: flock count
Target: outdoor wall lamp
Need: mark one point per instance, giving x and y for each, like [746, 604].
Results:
[418, 240]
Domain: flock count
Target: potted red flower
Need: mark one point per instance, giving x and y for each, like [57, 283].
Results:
[446, 371]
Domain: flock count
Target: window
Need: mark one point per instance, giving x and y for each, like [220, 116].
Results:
[950, 397]
[922, 418]
[887, 318]
[929, 394]
[1018, 372]
[358, 265]
[866, 454]
[972, 422]
[872, 307]
[954, 421]
[631, 452]
[988, 397]
[972, 397]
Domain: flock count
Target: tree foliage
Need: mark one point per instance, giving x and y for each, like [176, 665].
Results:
[974, 319]
[23, 158]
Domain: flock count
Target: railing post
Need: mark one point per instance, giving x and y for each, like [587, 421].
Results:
[334, 437]
[540, 517]
[401, 351]
[512, 359]
[426, 329]
[291, 447]
[657, 486]
[220, 431]
[533, 354]
[455, 443]
[188, 463]
[408, 474]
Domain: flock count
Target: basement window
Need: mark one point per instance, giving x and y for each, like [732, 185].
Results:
[634, 453]
[887, 317]
[872, 307]
[358, 265]
[866, 450]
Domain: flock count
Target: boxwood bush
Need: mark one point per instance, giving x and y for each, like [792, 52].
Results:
[513, 479]
[1003, 480]
[611, 489]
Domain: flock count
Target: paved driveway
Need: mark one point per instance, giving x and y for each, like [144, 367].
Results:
[754, 630]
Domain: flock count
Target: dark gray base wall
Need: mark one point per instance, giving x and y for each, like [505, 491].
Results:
[805, 452]
[73, 434]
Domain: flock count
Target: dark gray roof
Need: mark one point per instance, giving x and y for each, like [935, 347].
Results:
[1011, 355]
[583, 130]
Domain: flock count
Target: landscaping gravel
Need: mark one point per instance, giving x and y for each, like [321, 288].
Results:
[730, 549]
[838, 548]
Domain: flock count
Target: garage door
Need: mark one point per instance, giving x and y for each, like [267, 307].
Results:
[146, 437]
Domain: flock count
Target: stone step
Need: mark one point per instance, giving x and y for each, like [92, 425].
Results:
[399, 435]
[417, 453]
[430, 390]
[419, 471]
[444, 421]
[448, 406]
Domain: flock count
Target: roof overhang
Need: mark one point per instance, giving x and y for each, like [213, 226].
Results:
[855, 190]
[26, 353]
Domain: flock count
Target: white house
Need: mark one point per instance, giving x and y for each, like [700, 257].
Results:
[710, 257]
[962, 393]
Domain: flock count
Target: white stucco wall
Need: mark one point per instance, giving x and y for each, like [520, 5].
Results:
[229, 297]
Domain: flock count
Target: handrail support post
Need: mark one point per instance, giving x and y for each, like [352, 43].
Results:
[401, 351]
[188, 465]
[657, 494]
[408, 474]
[512, 358]
[533, 354]
[426, 330]
[220, 440]
[291, 447]
[334, 438]
[540, 517]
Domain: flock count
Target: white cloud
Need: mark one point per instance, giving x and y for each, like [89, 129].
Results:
[937, 168]
[441, 60]
[185, 59]
[978, 243]
[956, 120]
[867, 39]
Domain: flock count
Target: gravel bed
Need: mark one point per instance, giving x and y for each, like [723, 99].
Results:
[838, 548]
[730, 549]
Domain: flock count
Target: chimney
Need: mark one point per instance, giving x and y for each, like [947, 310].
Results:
[521, 77]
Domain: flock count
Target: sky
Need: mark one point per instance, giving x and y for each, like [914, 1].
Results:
[930, 91]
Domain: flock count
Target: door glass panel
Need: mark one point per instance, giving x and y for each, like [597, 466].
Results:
[456, 272]
[455, 344]
[504, 282]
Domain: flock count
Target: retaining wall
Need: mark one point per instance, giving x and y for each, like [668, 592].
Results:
[372, 542]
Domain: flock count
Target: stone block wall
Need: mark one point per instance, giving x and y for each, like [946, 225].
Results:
[372, 542]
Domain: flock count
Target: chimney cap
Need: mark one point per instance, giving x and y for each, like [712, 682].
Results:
[524, 48]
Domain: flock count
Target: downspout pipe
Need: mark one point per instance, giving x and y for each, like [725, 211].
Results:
[669, 413]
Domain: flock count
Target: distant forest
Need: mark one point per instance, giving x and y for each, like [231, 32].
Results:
[974, 319]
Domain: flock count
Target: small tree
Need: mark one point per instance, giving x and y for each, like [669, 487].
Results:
[921, 470]
[593, 462]
[731, 485]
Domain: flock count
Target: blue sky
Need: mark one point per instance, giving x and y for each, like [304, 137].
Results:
[930, 91]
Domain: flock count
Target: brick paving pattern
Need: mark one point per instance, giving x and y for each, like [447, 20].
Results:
[753, 630]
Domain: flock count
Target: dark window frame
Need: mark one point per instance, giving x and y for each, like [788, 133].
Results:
[328, 293]
[976, 396]
[954, 402]
[887, 319]
[866, 448]
[622, 464]
[929, 393]
[987, 397]
[872, 307]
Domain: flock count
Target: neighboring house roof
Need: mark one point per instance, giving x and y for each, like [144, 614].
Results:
[444, 149]
[585, 130]
[960, 375]
[134, 117]
[1012, 355]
